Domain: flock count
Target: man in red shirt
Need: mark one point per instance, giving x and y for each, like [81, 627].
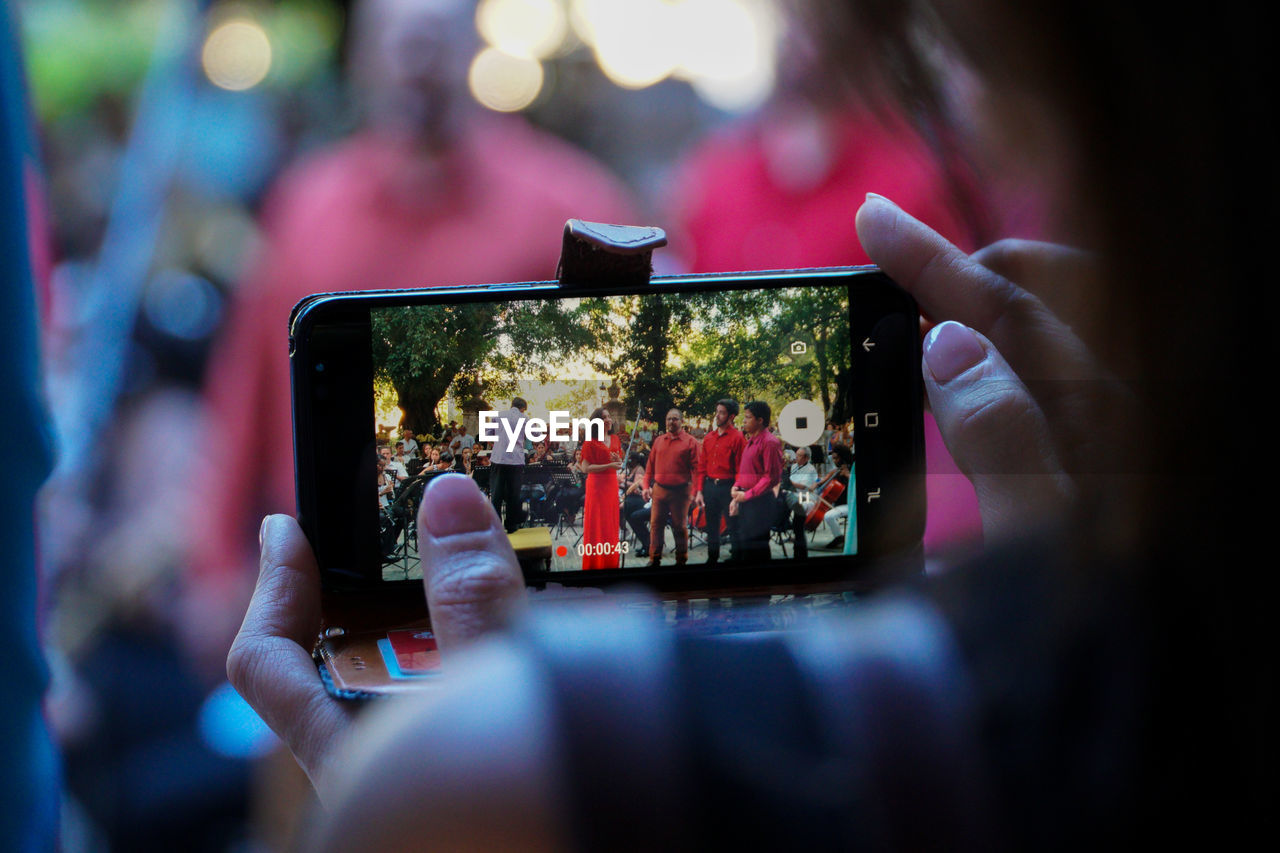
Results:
[718, 464]
[668, 478]
[752, 492]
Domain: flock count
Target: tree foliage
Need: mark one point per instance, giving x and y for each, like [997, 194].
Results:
[665, 349]
[691, 350]
[476, 349]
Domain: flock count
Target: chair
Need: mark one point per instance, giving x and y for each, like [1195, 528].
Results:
[780, 530]
[567, 499]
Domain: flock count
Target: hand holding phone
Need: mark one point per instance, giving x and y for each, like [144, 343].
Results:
[781, 352]
[284, 611]
[474, 569]
[1021, 402]
[473, 589]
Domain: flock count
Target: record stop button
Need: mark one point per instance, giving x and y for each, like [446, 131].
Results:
[800, 423]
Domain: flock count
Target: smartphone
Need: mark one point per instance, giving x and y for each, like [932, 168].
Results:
[823, 363]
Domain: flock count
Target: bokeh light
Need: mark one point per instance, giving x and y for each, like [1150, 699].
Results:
[635, 42]
[237, 54]
[504, 82]
[535, 29]
[726, 50]
[729, 51]
[182, 304]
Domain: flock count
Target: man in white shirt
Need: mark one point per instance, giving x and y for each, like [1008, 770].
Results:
[461, 440]
[410, 444]
[394, 467]
[804, 476]
[507, 466]
[401, 455]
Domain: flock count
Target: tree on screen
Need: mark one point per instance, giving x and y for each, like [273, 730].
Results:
[478, 349]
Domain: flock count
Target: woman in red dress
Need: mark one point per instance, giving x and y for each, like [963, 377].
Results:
[601, 462]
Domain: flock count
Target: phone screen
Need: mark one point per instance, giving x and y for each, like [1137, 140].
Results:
[660, 429]
[698, 432]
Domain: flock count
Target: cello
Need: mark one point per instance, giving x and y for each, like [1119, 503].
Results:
[832, 492]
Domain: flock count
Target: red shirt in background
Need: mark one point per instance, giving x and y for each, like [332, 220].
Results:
[672, 460]
[720, 456]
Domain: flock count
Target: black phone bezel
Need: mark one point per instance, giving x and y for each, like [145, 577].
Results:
[334, 430]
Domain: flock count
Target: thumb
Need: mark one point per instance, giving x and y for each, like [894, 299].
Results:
[473, 582]
[994, 430]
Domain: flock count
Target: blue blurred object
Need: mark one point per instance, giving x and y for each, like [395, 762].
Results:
[29, 781]
[233, 144]
[182, 304]
[232, 729]
[148, 168]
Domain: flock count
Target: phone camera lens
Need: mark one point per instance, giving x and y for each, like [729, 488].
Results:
[320, 367]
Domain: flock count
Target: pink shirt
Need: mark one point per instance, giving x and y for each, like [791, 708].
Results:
[761, 467]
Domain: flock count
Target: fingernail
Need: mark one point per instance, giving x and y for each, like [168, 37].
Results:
[262, 529]
[950, 349]
[871, 196]
[453, 504]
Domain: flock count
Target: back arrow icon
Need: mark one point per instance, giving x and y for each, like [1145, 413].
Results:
[867, 344]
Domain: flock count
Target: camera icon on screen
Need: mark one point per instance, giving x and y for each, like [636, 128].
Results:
[798, 348]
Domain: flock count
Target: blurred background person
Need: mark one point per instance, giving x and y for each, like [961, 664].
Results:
[774, 191]
[431, 190]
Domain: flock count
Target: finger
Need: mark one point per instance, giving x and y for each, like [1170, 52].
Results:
[1064, 277]
[994, 429]
[942, 278]
[1064, 378]
[949, 285]
[473, 582]
[270, 662]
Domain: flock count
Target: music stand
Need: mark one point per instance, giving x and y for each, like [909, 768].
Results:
[563, 478]
[542, 475]
[406, 506]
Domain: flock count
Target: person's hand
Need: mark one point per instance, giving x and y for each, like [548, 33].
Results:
[647, 493]
[697, 500]
[473, 587]
[270, 661]
[1021, 403]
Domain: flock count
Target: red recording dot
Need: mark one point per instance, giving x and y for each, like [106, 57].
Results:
[562, 551]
